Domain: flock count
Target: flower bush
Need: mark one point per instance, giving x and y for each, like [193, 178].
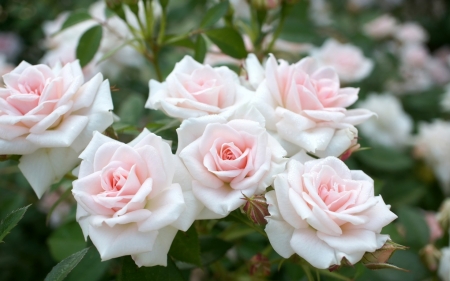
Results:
[248, 140]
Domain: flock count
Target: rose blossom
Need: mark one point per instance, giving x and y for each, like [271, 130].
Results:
[411, 33]
[324, 212]
[381, 27]
[128, 203]
[444, 265]
[432, 144]
[347, 60]
[304, 106]
[193, 89]
[48, 116]
[392, 127]
[227, 160]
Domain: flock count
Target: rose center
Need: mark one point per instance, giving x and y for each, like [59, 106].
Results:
[229, 151]
[31, 89]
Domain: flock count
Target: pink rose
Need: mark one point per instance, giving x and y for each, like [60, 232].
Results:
[227, 160]
[128, 203]
[411, 33]
[347, 60]
[193, 89]
[48, 116]
[324, 212]
[381, 27]
[304, 106]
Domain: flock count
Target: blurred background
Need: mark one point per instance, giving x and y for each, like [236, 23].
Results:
[408, 45]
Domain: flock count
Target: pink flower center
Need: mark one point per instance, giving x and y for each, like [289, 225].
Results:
[31, 89]
[114, 180]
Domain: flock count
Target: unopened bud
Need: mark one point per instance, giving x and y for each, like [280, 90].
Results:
[344, 156]
[443, 216]
[379, 258]
[256, 208]
[259, 265]
[430, 256]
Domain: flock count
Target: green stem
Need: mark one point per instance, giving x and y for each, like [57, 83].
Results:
[284, 12]
[162, 27]
[307, 270]
[334, 275]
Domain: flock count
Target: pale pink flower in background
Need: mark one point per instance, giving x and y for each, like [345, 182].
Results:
[10, 45]
[128, 202]
[48, 115]
[414, 55]
[304, 106]
[392, 127]
[320, 13]
[62, 46]
[438, 71]
[324, 212]
[62, 210]
[444, 264]
[433, 225]
[411, 32]
[381, 27]
[347, 60]
[432, 144]
[227, 159]
[193, 89]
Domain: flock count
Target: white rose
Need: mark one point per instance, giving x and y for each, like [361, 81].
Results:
[193, 89]
[48, 116]
[226, 160]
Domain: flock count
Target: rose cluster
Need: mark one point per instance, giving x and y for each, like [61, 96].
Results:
[238, 137]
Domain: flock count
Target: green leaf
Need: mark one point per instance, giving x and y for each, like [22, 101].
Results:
[131, 110]
[66, 240]
[229, 41]
[214, 14]
[415, 226]
[89, 44]
[385, 159]
[131, 272]
[60, 271]
[10, 221]
[179, 40]
[185, 247]
[213, 249]
[91, 268]
[200, 49]
[75, 18]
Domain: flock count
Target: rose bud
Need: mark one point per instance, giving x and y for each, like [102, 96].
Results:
[430, 256]
[259, 265]
[256, 209]
[379, 258]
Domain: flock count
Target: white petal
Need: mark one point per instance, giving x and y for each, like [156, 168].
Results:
[255, 71]
[18, 146]
[166, 207]
[158, 255]
[46, 166]
[63, 135]
[121, 240]
[315, 251]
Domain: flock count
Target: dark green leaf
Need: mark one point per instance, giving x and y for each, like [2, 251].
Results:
[66, 240]
[131, 272]
[200, 49]
[131, 109]
[60, 271]
[385, 159]
[75, 18]
[10, 221]
[229, 41]
[89, 44]
[214, 14]
[185, 247]
[179, 40]
[415, 226]
[212, 249]
[91, 268]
